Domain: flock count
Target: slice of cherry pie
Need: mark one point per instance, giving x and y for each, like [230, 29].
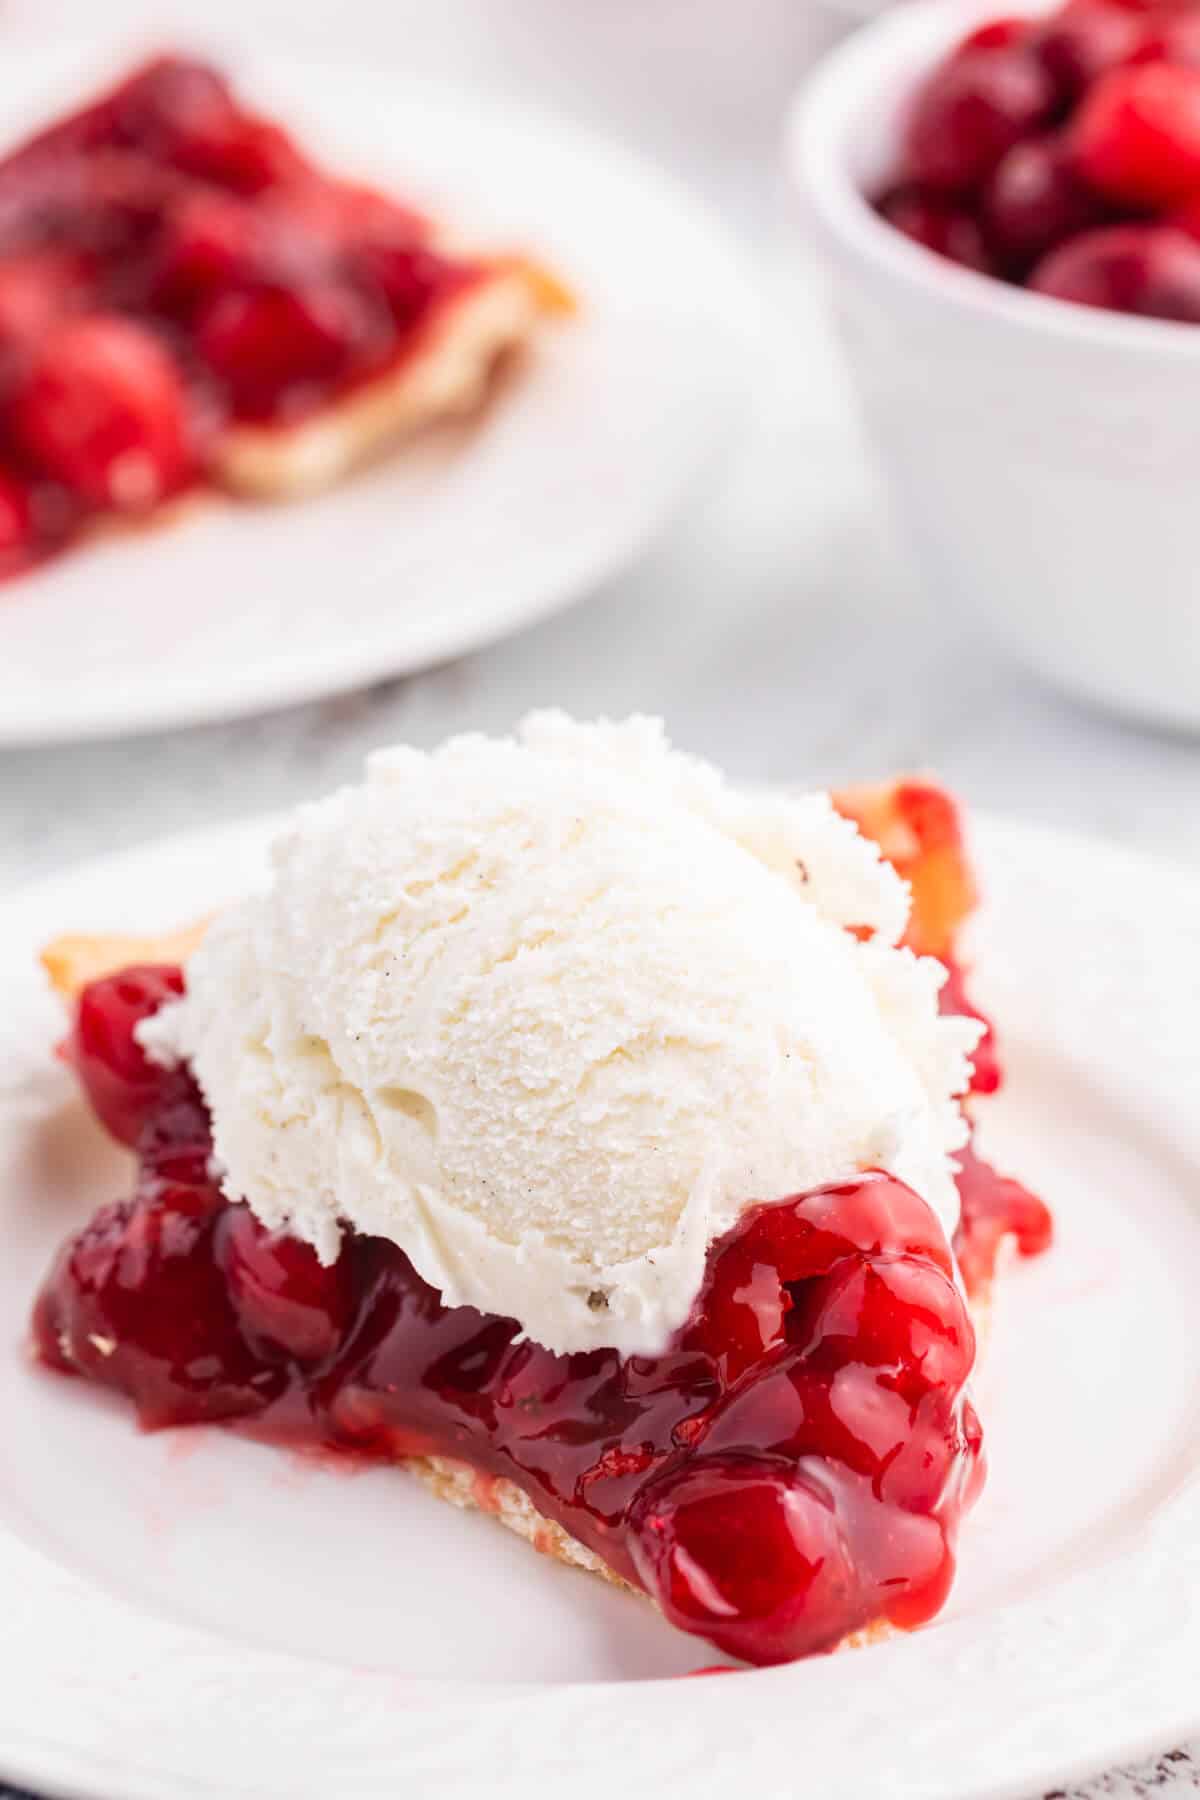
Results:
[187, 298]
[785, 1470]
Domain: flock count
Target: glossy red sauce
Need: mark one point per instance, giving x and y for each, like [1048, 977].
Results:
[793, 1467]
[172, 263]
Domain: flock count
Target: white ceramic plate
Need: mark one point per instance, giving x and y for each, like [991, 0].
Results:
[450, 542]
[191, 1615]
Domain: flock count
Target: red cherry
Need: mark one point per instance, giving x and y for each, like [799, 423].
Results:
[102, 409]
[264, 341]
[1171, 40]
[36, 287]
[16, 524]
[210, 243]
[279, 1289]
[748, 1554]
[893, 1313]
[407, 275]
[1033, 201]
[969, 112]
[938, 224]
[929, 1454]
[876, 1215]
[1077, 44]
[753, 1282]
[997, 34]
[1136, 136]
[137, 1302]
[1149, 269]
[784, 1407]
[123, 1086]
[184, 112]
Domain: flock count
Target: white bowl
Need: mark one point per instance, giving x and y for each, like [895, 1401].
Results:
[1046, 455]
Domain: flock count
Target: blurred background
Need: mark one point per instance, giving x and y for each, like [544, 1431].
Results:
[778, 624]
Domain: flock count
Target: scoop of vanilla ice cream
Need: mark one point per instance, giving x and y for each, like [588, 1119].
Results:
[550, 1011]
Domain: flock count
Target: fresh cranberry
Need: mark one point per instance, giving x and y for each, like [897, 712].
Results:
[102, 409]
[137, 1302]
[1084, 39]
[281, 1293]
[124, 1088]
[749, 1555]
[1153, 270]
[1035, 200]
[969, 112]
[938, 224]
[265, 343]
[1136, 136]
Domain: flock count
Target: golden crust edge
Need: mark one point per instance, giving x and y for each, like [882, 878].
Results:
[447, 377]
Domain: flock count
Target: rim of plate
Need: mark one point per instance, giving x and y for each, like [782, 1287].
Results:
[1097, 1669]
[533, 589]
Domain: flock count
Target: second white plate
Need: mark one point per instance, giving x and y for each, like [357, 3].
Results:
[452, 541]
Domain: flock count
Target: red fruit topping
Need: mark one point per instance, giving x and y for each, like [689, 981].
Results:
[985, 1061]
[969, 112]
[407, 276]
[36, 287]
[938, 224]
[751, 1557]
[995, 1210]
[998, 34]
[102, 410]
[791, 1467]
[209, 244]
[16, 524]
[1083, 40]
[281, 1293]
[898, 1314]
[137, 1302]
[747, 1305]
[268, 344]
[125, 1089]
[1172, 39]
[1035, 200]
[1153, 270]
[169, 259]
[1136, 136]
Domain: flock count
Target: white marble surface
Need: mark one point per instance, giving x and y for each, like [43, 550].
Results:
[779, 626]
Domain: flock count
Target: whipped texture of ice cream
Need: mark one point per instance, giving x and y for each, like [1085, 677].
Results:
[550, 1011]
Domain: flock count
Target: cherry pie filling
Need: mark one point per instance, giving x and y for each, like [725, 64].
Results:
[172, 264]
[792, 1468]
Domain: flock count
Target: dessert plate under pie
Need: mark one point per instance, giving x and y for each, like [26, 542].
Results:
[455, 537]
[1076, 1558]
